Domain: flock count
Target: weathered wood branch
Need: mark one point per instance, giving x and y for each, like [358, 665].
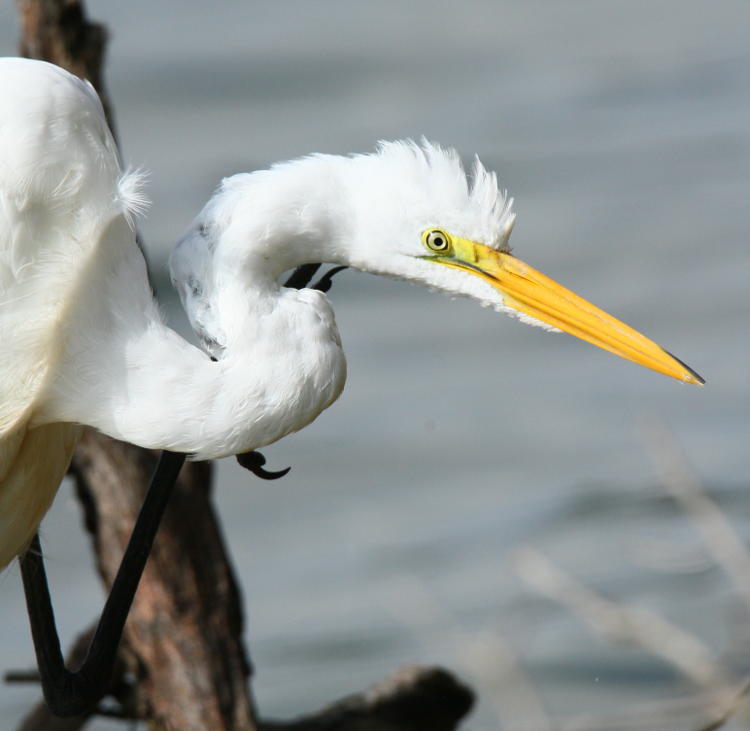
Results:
[185, 627]
[411, 699]
[58, 31]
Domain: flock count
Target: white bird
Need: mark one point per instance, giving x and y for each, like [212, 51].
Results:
[85, 343]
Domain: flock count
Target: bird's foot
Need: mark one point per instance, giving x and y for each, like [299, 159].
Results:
[254, 462]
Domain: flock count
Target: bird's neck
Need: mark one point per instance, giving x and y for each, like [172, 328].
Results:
[123, 371]
[273, 220]
[228, 265]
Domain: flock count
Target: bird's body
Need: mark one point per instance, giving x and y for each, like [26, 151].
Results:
[85, 343]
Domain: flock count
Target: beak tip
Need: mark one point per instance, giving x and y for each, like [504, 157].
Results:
[691, 376]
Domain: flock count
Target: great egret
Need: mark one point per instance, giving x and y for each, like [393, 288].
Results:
[85, 343]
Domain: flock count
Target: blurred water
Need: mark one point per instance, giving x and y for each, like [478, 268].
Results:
[622, 130]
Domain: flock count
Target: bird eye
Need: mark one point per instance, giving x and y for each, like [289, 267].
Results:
[437, 240]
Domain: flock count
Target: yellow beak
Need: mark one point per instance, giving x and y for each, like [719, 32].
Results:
[526, 290]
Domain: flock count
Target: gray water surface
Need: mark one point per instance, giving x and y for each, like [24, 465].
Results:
[621, 129]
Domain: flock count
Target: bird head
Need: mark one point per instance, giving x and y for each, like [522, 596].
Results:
[407, 211]
[419, 217]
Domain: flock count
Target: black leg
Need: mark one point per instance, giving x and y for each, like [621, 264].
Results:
[70, 693]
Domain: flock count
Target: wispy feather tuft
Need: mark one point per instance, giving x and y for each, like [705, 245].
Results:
[132, 196]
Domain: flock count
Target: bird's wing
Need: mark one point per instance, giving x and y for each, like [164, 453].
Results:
[60, 186]
[30, 457]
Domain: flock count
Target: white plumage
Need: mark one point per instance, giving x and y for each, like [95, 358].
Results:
[85, 343]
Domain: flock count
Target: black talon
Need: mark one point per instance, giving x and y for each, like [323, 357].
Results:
[254, 462]
[324, 283]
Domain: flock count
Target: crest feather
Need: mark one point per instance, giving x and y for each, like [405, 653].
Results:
[439, 172]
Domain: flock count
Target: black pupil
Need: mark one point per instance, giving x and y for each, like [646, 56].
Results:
[438, 242]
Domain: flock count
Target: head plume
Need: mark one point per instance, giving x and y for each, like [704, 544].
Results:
[439, 191]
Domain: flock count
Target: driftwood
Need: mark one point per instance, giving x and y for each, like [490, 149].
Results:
[182, 663]
[412, 699]
[58, 31]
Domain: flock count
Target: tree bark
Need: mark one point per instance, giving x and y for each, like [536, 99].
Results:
[58, 31]
[183, 637]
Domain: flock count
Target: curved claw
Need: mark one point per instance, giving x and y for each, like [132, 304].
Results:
[254, 462]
